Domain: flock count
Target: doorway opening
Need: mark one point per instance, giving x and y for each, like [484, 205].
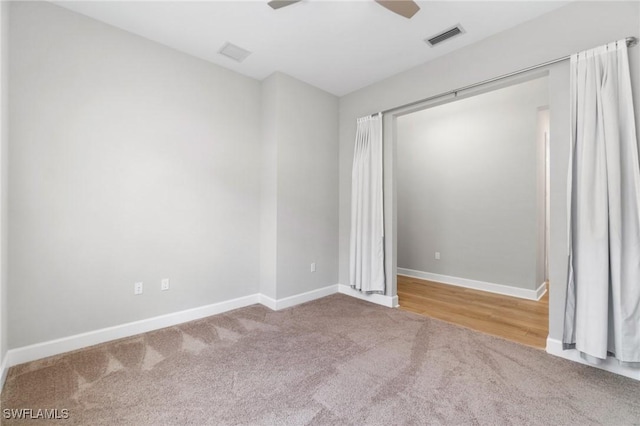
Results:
[472, 190]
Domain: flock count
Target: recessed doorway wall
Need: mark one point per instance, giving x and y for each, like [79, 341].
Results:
[471, 194]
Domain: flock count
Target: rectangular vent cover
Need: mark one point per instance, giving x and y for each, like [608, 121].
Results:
[234, 52]
[445, 35]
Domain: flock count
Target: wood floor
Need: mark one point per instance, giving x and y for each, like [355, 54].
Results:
[518, 320]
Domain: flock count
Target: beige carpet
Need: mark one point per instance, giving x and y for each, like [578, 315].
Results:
[336, 360]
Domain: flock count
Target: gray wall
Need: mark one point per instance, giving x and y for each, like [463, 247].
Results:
[467, 187]
[129, 161]
[302, 134]
[133, 162]
[4, 174]
[577, 26]
[271, 120]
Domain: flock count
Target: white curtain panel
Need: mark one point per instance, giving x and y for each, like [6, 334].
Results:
[367, 223]
[602, 314]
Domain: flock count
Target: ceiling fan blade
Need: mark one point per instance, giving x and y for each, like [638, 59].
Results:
[406, 8]
[277, 4]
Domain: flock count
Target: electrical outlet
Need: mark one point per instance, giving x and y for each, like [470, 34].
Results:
[164, 284]
[137, 288]
[313, 267]
[437, 255]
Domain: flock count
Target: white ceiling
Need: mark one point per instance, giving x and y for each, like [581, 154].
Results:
[338, 46]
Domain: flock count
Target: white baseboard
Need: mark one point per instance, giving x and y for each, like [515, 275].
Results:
[541, 290]
[379, 299]
[554, 347]
[83, 340]
[477, 285]
[78, 341]
[268, 302]
[297, 299]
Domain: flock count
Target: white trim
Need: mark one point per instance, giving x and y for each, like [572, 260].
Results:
[477, 285]
[379, 299]
[4, 369]
[541, 290]
[554, 347]
[268, 302]
[83, 340]
[297, 299]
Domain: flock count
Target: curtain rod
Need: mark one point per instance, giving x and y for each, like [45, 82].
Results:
[631, 41]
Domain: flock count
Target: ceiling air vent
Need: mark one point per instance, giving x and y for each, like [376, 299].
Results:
[445, 35]
[234, 52]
